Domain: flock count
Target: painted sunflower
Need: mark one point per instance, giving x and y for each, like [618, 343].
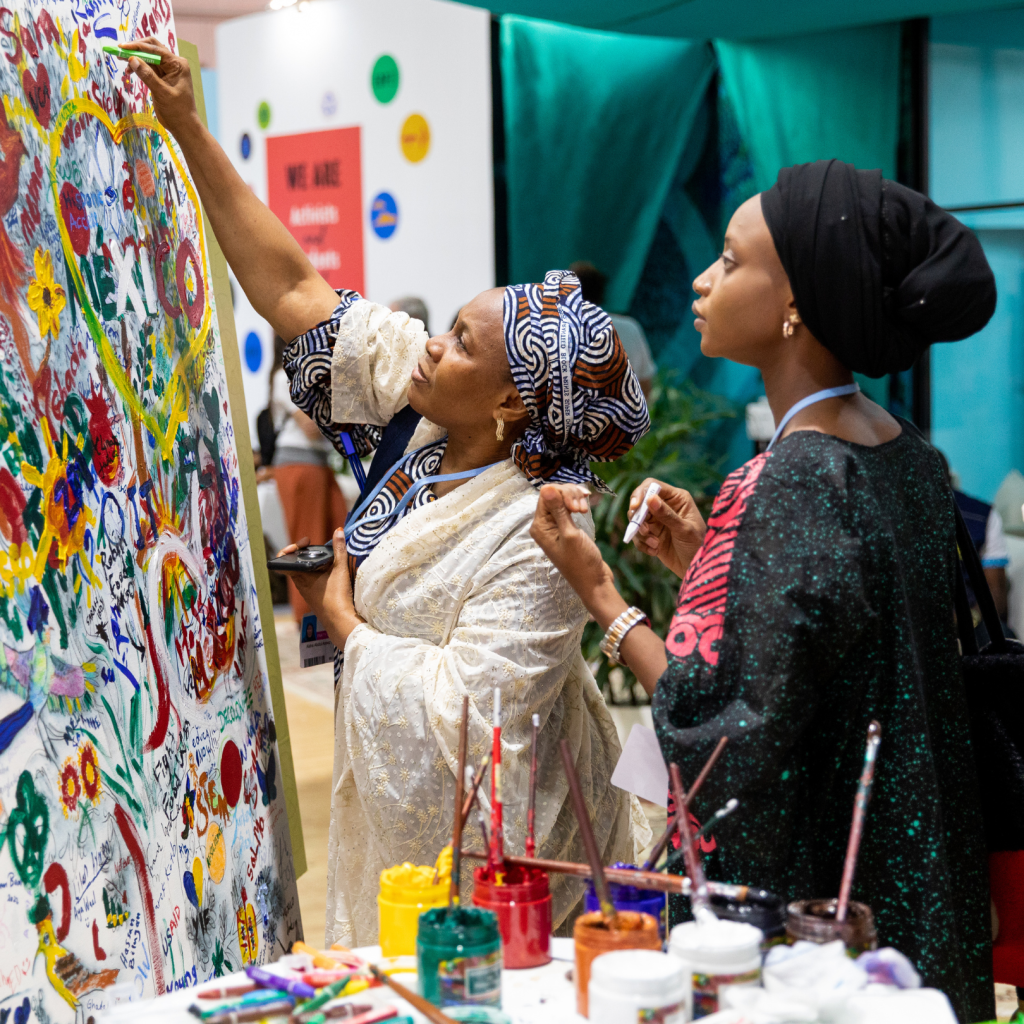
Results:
[88, 763]
[45, 297]
[70, 788]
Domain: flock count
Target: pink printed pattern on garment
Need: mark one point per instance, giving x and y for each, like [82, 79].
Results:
[700, 615]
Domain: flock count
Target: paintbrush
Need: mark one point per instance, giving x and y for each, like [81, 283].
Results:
[474, 786]
[497, 847]
[621, 876]
[604, 894]
[860, 806]
[670, 825]
[460, 776]
[722, 812]
[531, 846]
[618, 876]
[429, 1010]
[699, 898]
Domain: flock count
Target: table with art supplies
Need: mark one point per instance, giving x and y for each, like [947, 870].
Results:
[744, 958]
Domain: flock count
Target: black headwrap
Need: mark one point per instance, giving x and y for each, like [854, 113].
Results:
[878, 271]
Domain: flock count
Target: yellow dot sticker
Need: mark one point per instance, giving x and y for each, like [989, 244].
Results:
[415, 138]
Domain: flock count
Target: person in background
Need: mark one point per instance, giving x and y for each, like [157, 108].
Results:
[985, 526]
[414, 307]
[310, 497]
[631, 334]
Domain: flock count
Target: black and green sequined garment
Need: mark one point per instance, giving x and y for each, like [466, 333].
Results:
[821, 598]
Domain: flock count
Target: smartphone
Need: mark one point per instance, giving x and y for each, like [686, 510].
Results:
[315, 558]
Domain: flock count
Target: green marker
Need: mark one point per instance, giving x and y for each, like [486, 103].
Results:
[149, 58]
[324, 996]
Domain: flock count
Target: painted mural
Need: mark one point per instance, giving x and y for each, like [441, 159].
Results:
[143, 834]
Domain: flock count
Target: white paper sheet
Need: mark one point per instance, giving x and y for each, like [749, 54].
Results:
[641, 768]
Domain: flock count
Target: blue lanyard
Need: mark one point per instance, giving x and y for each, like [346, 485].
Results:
[354, 520]
[353, 459]
[818, 396]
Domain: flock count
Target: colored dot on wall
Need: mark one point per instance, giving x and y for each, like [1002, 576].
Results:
[245, 145]
[384, 78]
[384, 215]
[415, 138]
[253, 351]
[263, 114]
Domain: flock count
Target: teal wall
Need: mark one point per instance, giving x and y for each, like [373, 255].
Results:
[977, 156]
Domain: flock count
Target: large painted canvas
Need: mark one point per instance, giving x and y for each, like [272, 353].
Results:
[144, 840]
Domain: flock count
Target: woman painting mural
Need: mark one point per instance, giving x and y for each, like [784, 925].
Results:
[819, 594]
[437, 589]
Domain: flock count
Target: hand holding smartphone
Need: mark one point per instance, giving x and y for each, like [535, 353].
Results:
[315, 558]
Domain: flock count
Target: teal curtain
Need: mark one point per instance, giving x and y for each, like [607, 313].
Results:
[813, 97]
[595, 123]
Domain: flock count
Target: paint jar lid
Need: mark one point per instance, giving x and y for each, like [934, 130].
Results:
[467, 927]
[717, 943]
[521, 885]
[761, 908]
[642, 972]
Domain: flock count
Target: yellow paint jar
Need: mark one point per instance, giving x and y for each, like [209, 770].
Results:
[406, 891]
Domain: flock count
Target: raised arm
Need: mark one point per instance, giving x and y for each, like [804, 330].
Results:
[277, 278]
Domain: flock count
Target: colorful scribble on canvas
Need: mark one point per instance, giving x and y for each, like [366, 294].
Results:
[143, 835]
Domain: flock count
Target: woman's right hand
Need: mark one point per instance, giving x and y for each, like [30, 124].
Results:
[572, 551]
[674, 528]
[169, 82]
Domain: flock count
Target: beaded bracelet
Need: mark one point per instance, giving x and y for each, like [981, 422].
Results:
[617, 631]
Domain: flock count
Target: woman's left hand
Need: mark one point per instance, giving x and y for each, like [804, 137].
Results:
[329, 593]
[573, 553]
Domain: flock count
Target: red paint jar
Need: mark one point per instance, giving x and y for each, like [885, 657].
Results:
[523, 907]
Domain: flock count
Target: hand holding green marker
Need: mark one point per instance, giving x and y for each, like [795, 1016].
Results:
[117, 51]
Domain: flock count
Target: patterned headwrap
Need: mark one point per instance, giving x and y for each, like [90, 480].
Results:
[584, 399]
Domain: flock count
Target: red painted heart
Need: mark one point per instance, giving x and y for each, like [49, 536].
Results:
[37, 89]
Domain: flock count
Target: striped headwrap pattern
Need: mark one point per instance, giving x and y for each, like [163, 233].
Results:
[583, 398]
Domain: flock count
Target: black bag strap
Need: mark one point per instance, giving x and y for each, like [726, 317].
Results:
[976, 574]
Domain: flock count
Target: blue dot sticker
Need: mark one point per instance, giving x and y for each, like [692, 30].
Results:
[245, 145]
[384, 215]
[253, 351]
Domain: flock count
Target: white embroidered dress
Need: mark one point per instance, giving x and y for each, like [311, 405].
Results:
[457, 598]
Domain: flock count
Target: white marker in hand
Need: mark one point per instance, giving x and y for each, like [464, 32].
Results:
[641, 513]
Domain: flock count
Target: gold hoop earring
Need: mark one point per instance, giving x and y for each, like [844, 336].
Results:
[500, 432]
[789, 326]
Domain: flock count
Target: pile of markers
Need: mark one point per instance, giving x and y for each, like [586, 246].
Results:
[303, 995]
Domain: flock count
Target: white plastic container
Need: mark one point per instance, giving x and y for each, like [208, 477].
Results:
[715, 954]
[630, 985]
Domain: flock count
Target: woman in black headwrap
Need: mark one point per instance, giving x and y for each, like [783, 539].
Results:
[819, 595]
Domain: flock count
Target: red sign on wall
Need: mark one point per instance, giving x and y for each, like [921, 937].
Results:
[314, 187]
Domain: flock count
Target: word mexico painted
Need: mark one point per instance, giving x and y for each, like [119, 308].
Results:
[143, 833]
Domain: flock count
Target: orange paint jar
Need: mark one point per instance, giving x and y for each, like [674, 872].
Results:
[593, 937]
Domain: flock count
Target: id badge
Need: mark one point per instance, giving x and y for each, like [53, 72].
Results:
[315, 647]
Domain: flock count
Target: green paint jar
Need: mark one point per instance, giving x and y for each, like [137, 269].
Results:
[458, 957]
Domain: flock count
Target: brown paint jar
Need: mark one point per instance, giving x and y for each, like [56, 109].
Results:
[593, 937]
[815, 921]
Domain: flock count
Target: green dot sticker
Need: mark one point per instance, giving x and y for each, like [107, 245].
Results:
[263, 114]
[384, 78]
